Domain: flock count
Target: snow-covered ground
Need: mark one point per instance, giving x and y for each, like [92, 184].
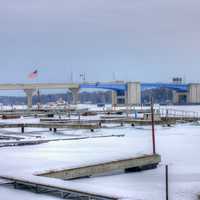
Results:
[178, 146]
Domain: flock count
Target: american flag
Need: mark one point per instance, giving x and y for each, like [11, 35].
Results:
[33, 74]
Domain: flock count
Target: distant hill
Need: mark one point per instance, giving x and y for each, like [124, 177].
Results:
[161, 96]
[93, 97]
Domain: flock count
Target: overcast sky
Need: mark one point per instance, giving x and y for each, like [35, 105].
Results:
[138, 40]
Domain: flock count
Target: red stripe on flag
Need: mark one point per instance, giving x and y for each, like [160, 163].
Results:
[33, 75]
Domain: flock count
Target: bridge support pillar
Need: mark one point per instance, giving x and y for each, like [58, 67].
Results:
[194, 93]
[29, 94]
[118, 98]
[75, 95]
[175, 97]
[179, 97]
[114, 98]
[133, 94]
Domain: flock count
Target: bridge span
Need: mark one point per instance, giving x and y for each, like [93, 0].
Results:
[124, 93]
[30, 89]
[129, 93]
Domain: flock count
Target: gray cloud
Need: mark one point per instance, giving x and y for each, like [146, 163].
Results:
[147, 40]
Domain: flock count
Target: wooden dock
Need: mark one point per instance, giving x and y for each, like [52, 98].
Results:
[180, 119]
[66, 190]
[41, 141]
[5, 181]
[168, 116]
[120, 121]
[128, 165]
[63, 191]
[51, 126]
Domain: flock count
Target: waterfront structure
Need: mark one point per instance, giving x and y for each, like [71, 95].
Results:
[123, 93]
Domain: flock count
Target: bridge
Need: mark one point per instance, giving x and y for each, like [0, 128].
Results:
[129, 93]
[125, 93]
[29, 89]
[117, 86]
[171, 86]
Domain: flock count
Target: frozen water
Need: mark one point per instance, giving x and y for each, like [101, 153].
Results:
[178, 146]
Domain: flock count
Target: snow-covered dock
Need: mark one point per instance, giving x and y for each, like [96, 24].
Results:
[65, 190]
[50, 126]
[5, 181]
[129, 165]
[24, 142]
[109, 120]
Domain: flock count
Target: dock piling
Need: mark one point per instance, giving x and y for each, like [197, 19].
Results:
[22, 129]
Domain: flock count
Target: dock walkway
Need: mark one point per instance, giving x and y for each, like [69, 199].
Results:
[121, 121]
[65, 192]
[50, 126]
[46, 182]
[134, 164]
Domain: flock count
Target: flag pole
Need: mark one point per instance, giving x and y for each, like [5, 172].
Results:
[39, 100]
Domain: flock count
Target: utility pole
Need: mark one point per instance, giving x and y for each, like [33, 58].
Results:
[82, 76]
[71, 77]
[153, 127]
[114, 77]
[166, 182]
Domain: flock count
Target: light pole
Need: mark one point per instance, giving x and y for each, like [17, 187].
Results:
[82, 76]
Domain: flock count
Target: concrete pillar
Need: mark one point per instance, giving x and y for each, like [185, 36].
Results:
[175, 98]
[118, 98]
[179, 97]
[29, 94]
[114, 98]
[194, 93]
[133, 93]
[75, 95]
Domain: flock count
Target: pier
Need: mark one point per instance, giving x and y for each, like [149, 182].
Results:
[43, 182]
[128, 165]
[51, 126]
[65, 192]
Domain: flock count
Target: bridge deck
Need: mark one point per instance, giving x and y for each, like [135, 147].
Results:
[19, 86]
